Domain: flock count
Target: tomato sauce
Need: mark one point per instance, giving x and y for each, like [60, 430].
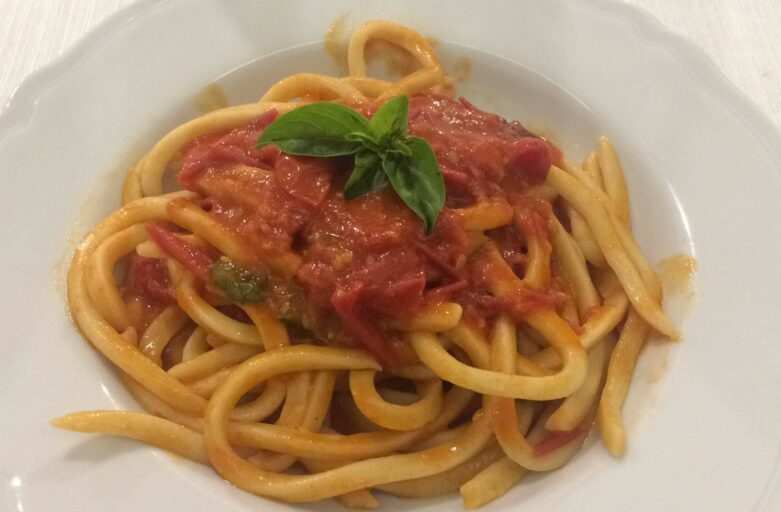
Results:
[148, 278]
[364, 262]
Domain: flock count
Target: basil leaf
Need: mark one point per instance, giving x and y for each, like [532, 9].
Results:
[239, 284]
[367, 176]
[400, 147]
[319, 129]
[367, 140]
[390, 121]
[417, 180]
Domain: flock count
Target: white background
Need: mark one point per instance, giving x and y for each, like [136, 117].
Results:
[743, 37]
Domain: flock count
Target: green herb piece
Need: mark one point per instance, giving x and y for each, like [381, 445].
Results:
[390, 121]
[238, 283]
[384, 154]
[417, 180]
[367, 177]
[319, 129]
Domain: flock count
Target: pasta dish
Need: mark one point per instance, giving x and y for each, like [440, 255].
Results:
[365, 286]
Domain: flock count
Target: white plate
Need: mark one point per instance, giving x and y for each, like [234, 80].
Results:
[703, 167]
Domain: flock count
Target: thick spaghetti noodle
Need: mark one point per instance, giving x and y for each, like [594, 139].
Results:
[266, 322]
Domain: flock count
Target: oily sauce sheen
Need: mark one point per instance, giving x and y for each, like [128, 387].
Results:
[359, 265]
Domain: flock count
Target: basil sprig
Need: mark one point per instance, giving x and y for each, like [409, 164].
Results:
[384, 154]
[238, 283]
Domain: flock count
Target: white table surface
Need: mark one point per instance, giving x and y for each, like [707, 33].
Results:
[743, 37]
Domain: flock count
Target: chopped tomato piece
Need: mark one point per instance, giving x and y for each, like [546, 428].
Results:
[446, 291]
[437, 260]
[531, 158]
[195, 259]
[148, 278]
[345, 303]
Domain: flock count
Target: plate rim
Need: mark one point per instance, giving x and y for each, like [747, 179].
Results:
[20, 107]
